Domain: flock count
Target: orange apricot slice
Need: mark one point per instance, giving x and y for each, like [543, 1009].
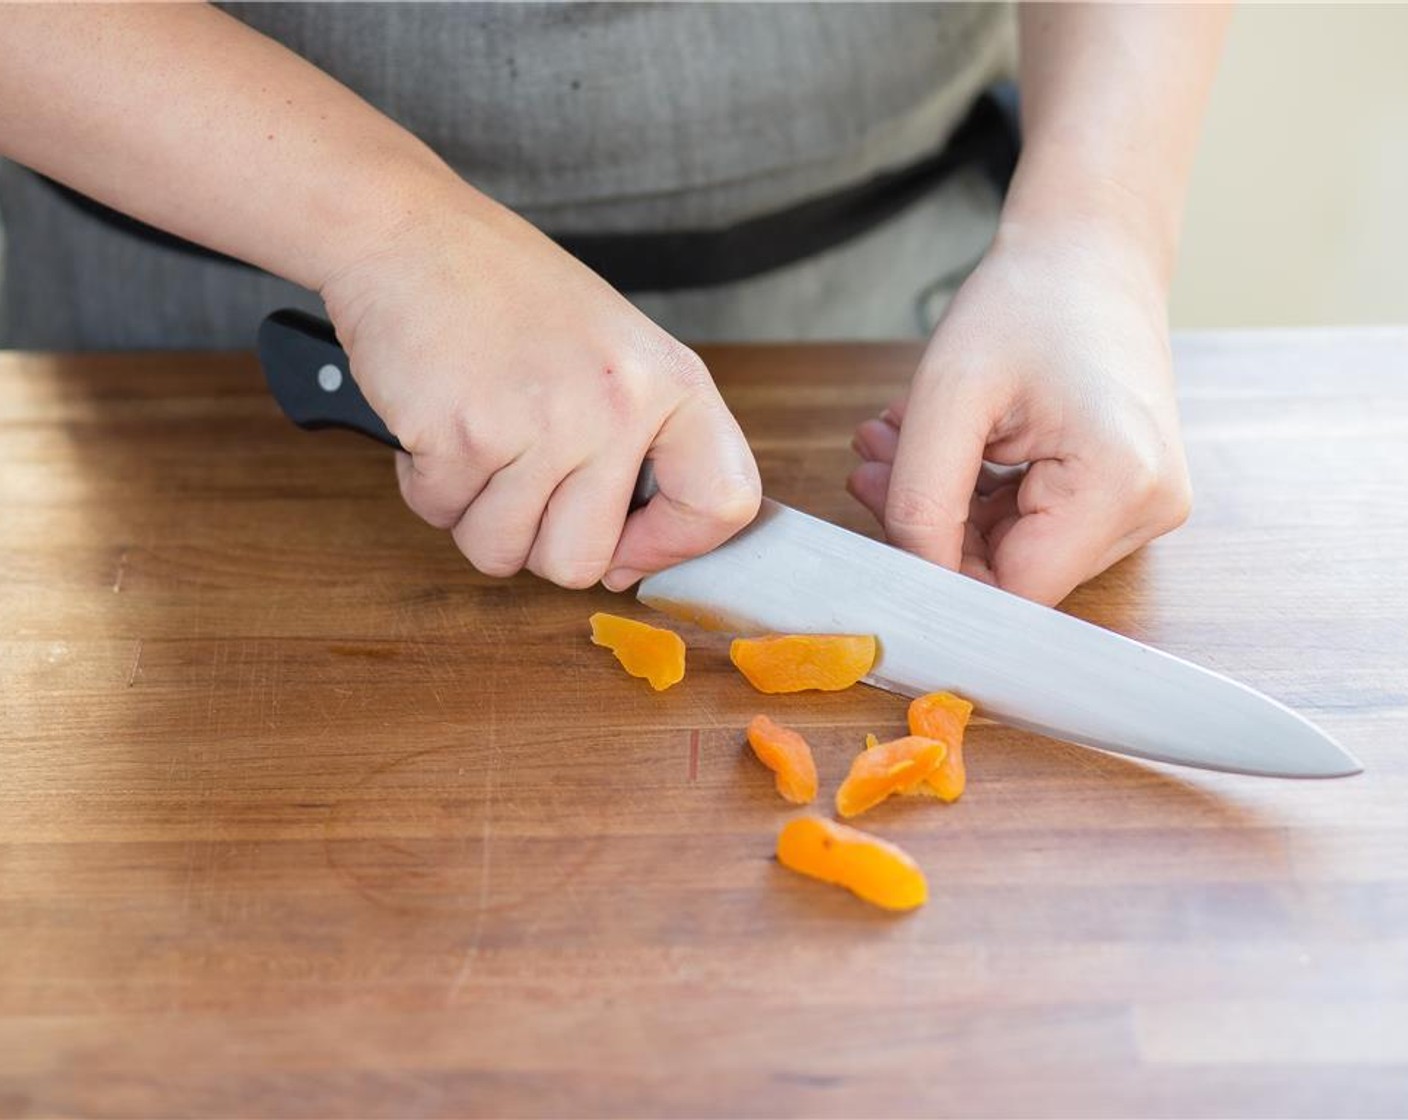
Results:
[943, 716]
[887, 768]
[940, 715]
[787, 754]
[867, 866]
[797, 662]
[923, 788]
[643, 650]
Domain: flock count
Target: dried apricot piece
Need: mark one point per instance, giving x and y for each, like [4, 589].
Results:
[786, 753]
[797, 662]
[886, 768]
[867, 866]
[643, 650]
[943, 716]
[923, 788]
[940, 715]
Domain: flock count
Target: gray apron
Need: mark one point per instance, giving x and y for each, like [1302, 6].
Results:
[594, 118]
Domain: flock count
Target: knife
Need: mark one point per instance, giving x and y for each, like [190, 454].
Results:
[1020, 663]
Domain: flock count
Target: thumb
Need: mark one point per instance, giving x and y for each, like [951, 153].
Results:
[943, 434]
[708, 490]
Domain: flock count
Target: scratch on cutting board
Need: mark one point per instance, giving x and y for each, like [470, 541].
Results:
[694, 755]
[136, 661]
[486, 837]
[433, 675]
[121, 570]
[704, 711]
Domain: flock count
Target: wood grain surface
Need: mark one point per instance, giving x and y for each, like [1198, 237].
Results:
[300, 817]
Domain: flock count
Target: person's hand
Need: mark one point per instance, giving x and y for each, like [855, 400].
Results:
[526, 392]
[1054, 355]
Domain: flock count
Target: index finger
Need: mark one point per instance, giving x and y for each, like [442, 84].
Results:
[943, 435]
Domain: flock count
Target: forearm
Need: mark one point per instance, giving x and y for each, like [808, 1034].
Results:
[186, 119]
[1112, 99]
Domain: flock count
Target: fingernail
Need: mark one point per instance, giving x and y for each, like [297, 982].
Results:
[618, 579]
[890, 417]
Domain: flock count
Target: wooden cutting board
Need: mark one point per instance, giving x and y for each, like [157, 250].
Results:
[301, 817]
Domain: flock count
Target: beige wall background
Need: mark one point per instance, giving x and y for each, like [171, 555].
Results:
[1298, 211]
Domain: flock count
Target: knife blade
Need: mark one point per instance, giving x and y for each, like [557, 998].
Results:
[1020, 663]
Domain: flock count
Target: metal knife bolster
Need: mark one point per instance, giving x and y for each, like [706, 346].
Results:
[1019, 662]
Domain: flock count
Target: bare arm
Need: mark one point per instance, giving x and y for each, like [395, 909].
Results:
[1112, 100]
[1055, 352]
[183, 117]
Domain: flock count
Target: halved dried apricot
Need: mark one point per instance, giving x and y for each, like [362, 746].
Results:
[886, 768]
[943, 716]
[787, 754]
[643, 650]
[797, 662]
[869, 867]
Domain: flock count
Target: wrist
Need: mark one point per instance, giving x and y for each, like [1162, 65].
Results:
[398, 243]
[1056, 202]
[394, 195]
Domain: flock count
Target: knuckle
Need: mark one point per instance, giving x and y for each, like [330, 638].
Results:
[487, 554]
[684, 367]
[480, 445]
[1155, 480]
[573, 573]
[743, 498]
[412, 486]
[438, 516]
[1178, 502]
[460, 435]
[912, 515]
[419, 435]
[957, 380]
[734, 500]
[1156, 483]
[1144, 474]
[498, 565]
[622, 387]
[425, 498]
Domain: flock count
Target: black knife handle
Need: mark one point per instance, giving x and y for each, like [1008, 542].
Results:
[309, 375]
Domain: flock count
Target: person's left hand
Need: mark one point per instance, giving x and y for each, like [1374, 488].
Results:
[1054, 355]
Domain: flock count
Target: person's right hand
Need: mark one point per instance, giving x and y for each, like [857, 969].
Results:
[527, 392]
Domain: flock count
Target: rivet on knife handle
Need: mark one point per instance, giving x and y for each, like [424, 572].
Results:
[309, 375]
